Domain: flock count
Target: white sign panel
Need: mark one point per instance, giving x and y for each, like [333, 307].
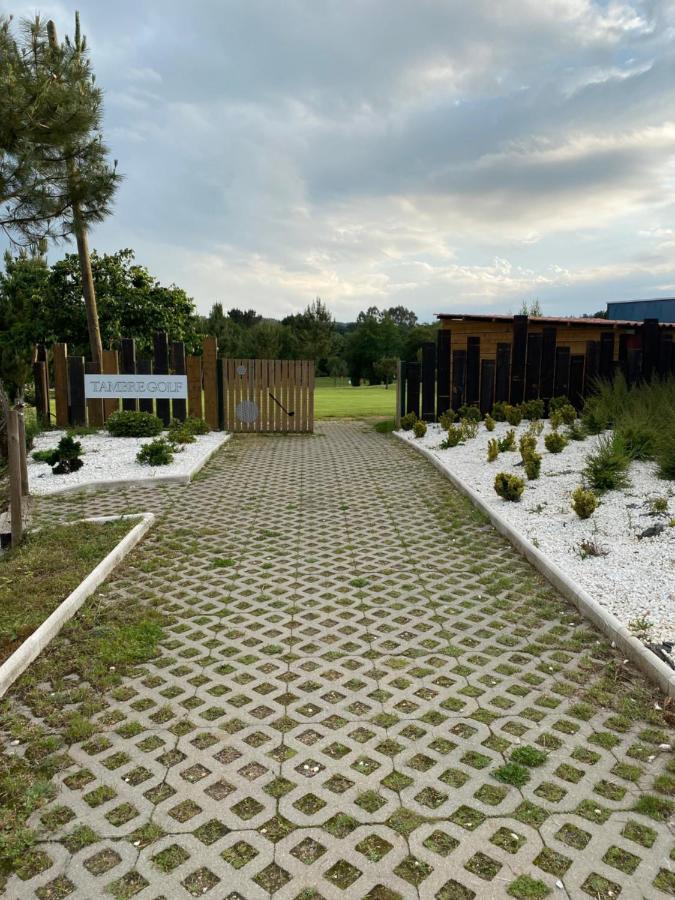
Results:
[135, 387]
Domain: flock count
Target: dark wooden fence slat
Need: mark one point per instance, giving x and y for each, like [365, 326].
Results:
[472, 369]
[518, 358]
[403, 388]
[128, 367]
[533, 366]
[665, 360]
[60, 354]
[606, 354]
[209, 373]
[576, 391]
[41, 392]
[503, 373]
[487, 385]
[178, 366]
[548, 344]
[144, 367]
[428, 381]
[623, 354]
[78, 407]
[458, 378]
[94, 407]
[413, 391]
[592, 366]
[220, 378]
[634, 365]
[161, 367]
[443, 343]
[562, 372]
[650, 347]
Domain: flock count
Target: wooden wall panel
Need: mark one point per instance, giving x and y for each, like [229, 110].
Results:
[60, 354]
[209, 355]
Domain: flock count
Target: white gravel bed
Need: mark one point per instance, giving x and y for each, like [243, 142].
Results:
[113, 459]
[637, 577]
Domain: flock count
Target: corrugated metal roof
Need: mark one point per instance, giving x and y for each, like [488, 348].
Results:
[550, 320]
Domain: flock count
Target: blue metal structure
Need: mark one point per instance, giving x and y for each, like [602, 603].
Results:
[638, 310]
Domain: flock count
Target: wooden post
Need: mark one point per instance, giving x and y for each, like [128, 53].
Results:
[22, 451]
[78, 408]
[397, 415]
[110, 367]
[128, 367]
[94, 406]
[650, 347]
[518, 359]
[193, 365]
[61, 384]
[178, 365]
[161, 367]
[413, 391]
[472, 387]
[15, 499]
[429, 381]
[144, 367]
[209, 356]
[41, 392]
[443, 345]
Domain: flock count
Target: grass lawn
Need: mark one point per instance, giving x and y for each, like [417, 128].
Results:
[37, 576]
[342, 401]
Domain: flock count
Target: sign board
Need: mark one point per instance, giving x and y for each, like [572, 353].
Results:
[135, 387]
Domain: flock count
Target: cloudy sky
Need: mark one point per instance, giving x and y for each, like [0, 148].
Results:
[445, 155]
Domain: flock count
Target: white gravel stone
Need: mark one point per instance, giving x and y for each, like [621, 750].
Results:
[637, 577]
[108, 458]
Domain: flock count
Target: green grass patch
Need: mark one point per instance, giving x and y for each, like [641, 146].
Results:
[342, 401]
[37, 576]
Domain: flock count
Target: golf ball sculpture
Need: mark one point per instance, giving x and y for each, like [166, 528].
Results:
[247, 411]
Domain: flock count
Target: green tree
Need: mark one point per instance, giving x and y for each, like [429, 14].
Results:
[337, 368]
[385, 369]
[312, 333]
[55, 178]
[533, 308]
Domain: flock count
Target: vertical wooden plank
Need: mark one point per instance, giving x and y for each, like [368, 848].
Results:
[261, 377]
[472, 388]
[220, 377]
[413, 391]
[60, 354]
[193, 368]
[533, 366]
[606, 354]
[403, 375]
[41, 392]
[144, 367]
[547, 375]
[278, 423]
[94, 407]
[227, 390]
[624, 340]
[458, 378]
[292, 404]
[503, 373]
[304, 393]
[14, 465]
[518, 359]
[428, 381]
[161, 367]
[178, 366]
[128, 367]
[591, 367]
[576, 391]
[650, 347]
[78, 407]
[562, 372]
[312, 375]
[443, 345]
[487, 385]
[110, 367]
[285, 374]
[665, 360]
[209, 354]
[634, 365]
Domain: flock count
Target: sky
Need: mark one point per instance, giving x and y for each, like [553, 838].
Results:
[444, 155]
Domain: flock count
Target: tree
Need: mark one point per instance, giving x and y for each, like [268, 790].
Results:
[337, 368]
[402, 317]
[385, 369]
[245, 319]
[530, 309]
[54, 172]
[312, 332]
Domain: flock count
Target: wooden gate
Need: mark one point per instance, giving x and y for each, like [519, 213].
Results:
[268, 395]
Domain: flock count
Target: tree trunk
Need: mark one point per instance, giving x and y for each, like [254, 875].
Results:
[89, 293]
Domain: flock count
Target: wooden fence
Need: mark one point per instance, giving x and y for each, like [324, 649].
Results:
[225, 392]
[480, 360]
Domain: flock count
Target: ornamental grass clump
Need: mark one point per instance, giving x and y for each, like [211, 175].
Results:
[555, 442]
[419, 428]
[532, 465]
[509, 487]
[492, 450]
[489, 422]
[584, 502]
[606, 467]
[508, 442]
[469, 428]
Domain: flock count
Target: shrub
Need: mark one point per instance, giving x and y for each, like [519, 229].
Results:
[508, 442]
[419, 429]
[658, 506]
[32, 428]
[470, 412]
[66, 458]
[129, 423]
[568, 414]
[557, 403]
[179, 434]
[499, 411]
[640, 438]
[584, 502]
[533, 409]
[196, 425]
[157, 453]
[665, 452]
[44, 456]
[509, 487]
[532, 465]
[492, 450]
[453, 437]
[576, 432]
[555, 442]
[514, 414]
[489, 422]
[407, 421]
[447, 418]
[607, 466]
[469, 428]
[535, 427]
[527, 444]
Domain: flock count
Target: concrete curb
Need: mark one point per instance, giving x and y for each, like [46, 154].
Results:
[90, 486]
[607, 622]
[31, 648]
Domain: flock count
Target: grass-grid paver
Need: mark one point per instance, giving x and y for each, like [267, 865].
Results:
[361, 691]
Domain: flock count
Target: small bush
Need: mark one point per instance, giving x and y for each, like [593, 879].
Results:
[196, 425]
[44, 456]
[576, 432]
[514, 414]
[66, 458]
[177, 434]
[532, 465]
[470, 412]
[665, 452]
[584, 503]
[489, 422]
[129, 423]
[469, 428]
[509, 487]
[508, 442]
[453, 437]
[447, 418]
[527, 444]
[607, 466]
[533, 409]
[419, 429]
[555, 442]
[499, 411]
[658, 506]
[407, 421]
[492, 450]
[568, 414]
[535, 427]
[157, 453]
[556, 403]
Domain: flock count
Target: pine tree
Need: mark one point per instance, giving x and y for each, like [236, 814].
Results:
[55, 177]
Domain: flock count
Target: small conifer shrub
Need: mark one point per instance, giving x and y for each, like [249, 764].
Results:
[509, 487]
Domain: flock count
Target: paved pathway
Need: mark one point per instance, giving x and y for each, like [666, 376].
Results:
[354, 655]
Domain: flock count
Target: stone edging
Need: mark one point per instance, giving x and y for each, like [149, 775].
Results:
[606, 621]
[140, 482]
[31, 648]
